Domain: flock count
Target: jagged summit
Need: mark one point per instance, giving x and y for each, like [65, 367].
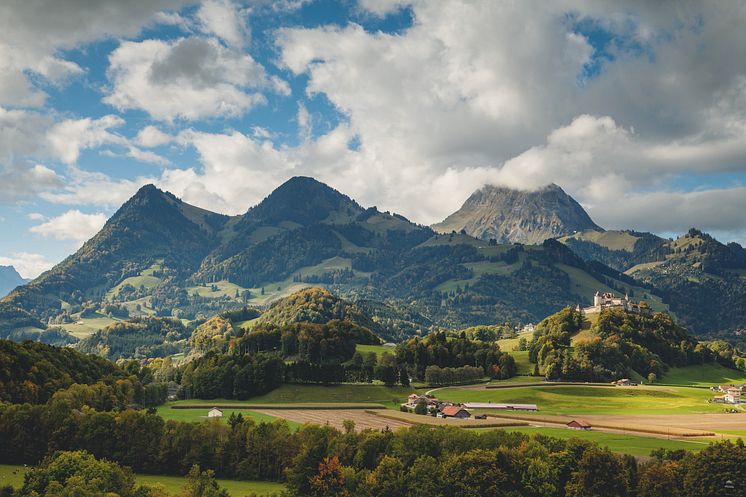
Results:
[509, 215]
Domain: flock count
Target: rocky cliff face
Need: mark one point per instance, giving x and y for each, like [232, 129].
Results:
[528, 217]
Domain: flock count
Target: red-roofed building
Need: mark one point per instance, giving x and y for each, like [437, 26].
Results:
[579, 424]
[455, 412]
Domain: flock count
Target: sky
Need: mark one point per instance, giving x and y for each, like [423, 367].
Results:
[636, 108]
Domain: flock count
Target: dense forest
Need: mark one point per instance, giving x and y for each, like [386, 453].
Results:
[138, 338]
[322, 461]
[438, 350]
[618, 344]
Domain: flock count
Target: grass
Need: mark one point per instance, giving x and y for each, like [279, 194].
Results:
[236, 488]
[378, 349]
[13, 476]
[346, 393]
[508, 344]
[622, 443]
[189, 415]
[224, 289]
[523, 366]
[703, 375]
[87, 326]
[583, 399]
[613, 240]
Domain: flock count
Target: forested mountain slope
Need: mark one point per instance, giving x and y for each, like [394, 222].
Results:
[158, 256]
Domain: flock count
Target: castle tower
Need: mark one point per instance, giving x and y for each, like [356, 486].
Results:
[597, 299]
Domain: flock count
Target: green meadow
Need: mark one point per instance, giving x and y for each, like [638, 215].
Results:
[13, 476]
[703, 375]
[626, 444]
[583, 399]
[378, 349]
[167, 413]
[293, 393]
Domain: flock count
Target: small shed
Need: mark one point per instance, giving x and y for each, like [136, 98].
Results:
[455, 412]
[214, 413]
[579, 424]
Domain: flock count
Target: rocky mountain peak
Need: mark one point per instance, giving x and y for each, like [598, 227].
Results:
[518, 216]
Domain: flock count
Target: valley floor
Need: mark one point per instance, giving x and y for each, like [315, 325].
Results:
[632, 420]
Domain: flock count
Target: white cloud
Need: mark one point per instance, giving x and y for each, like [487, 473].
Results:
[189, 78]
[28, 265]
[223, 19]
[72, 225]
[93, 188]
[33, 33]
[150, 136]
[69, 137]
[480, 92]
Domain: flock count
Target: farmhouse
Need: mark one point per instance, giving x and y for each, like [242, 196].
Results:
[455, 412]
[579, 424]
[214, 413]
[608, 300]
[733, 396]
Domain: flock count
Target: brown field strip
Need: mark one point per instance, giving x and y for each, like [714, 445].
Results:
[363, 418]
[301, 405]
[635, 424]
[547, 384]
[419, 419]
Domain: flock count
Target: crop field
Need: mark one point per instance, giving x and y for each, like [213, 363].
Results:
[622, 443]
[13, 476]
[417, 419]
[363, 419]
[583, 399]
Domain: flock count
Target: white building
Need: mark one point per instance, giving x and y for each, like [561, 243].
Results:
[608, 300]
[215, 413]
[733, 396]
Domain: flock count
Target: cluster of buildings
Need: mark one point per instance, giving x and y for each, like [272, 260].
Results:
[608, 300]
[443, 409]
[731, 394]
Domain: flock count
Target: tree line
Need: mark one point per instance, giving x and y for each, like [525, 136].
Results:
[322, 461]
[438, 349]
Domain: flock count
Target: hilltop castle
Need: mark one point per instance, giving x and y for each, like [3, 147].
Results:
[608, 300]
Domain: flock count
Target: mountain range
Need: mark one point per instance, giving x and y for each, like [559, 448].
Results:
[9, 279]
[159, 256]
